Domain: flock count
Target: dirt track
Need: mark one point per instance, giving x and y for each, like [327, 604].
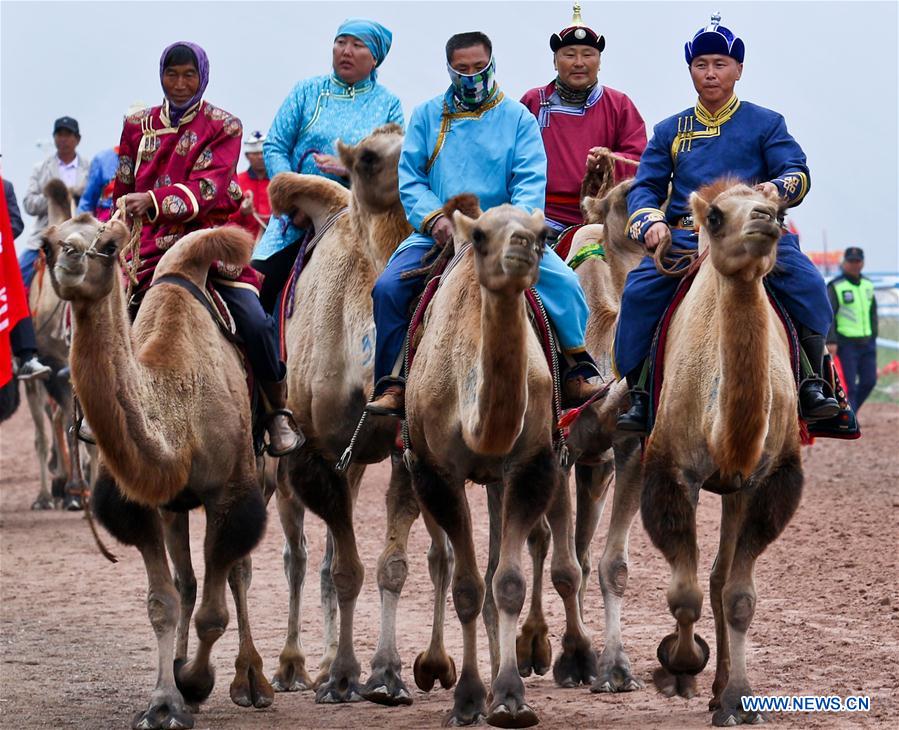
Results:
[78, 650]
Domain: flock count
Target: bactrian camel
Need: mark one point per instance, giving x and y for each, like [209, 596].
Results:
[727, 422]
[168, 403]
[330, 357]
[479, 407]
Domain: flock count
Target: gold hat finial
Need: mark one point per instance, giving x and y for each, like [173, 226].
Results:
[576, 17]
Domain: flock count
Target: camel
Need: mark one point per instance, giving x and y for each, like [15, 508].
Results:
[49, 315]
[330, 356]
[727, 423]
[163, 397]
[479, 407]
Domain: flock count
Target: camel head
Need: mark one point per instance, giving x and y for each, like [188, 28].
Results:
[740, 226]
[507, 243]
[372, 165]
[82, 257]
[611, 211]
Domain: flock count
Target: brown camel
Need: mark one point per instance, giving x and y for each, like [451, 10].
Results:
[479, 407]
[330, 356]
[52, 399]
[163, 397]
[726, 422]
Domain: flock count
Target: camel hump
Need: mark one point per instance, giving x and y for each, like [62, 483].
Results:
[59, 201]
[291, 192]
[466, 203]
[196, 252]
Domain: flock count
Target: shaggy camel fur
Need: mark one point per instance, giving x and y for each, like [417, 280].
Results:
[597, 450]
[479, 407]
[330, 356]
[48, 314]
[163, 397]
[727, 422]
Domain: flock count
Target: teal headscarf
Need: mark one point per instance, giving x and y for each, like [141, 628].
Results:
[374, 35]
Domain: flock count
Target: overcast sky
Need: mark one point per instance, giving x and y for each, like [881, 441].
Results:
[829, 67]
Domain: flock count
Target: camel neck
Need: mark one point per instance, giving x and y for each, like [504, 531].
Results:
[381, 231]
[502, 373]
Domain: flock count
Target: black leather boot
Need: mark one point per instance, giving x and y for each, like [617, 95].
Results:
[636, 418]
[284, 435]
[815, 401]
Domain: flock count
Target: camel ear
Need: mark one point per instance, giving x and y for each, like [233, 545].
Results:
[700, 208]
[538, 218]
[595, 210]
[347, 155]
[463, 225]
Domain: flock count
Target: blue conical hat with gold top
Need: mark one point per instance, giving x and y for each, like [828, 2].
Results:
[714, 39]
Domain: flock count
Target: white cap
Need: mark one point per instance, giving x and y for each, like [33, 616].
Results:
[253, 142]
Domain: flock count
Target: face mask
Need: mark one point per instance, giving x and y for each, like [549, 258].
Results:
[472, 90]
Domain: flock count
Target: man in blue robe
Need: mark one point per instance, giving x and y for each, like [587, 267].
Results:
[472, 139]
[720, 136]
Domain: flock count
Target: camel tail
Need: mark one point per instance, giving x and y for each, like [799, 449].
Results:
[59, 202]
[290, 193]
[192, 256]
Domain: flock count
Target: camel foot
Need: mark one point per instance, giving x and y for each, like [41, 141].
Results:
[669, 684]
[291, 675]
[43, 502]
[195, 683]
[532, 647]
[680, 664]
[386, 687]
[164, 713]
[730, 711]
[251, 689]
[577, 664]
[615, 674]
[58, 488]
[468, 701]
[508, 708]
[342, 684]
[432, 666]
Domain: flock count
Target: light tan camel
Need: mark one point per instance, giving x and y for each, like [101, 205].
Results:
[330, 358]
[52, 399]
[479, 407]
[163, 397]
[726, 422]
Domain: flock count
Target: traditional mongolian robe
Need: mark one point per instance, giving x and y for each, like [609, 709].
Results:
[261, 205]
[689, 150]
[189, 169]
[494, 152]
[607, 119]
[316, 113]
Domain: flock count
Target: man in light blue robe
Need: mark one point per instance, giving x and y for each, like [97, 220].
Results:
[472, 139]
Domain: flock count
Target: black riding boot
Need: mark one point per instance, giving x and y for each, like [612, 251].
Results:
[815, 404]
[636, 419]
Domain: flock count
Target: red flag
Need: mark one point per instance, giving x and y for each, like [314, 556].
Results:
[13, 303]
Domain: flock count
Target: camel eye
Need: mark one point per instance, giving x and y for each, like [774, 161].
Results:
[478, 238]
[715, 218]
[108, 249]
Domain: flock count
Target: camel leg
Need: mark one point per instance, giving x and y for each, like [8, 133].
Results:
[491, 618]
[615, 673]
[139, 526]
[249, 688]
[292, 675]
[768, 509]
[591, 489]
[328, 597]
[532, 646]
[330, 496]
[669, 516]
[235, 522]
[434, 663]
[385, 686]
[577, 663]
[529, 489]
[445, 503]
[34, 395]
[176, 529]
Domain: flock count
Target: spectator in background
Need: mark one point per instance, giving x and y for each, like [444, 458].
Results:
[97, 198]
[67, 165]
[22, 338]
[853, 335]
[254, 209]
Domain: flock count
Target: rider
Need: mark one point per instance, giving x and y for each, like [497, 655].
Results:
[177, 170]
[720, 136]
[471, 139]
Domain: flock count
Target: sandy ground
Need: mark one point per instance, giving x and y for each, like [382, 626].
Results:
[78, 650]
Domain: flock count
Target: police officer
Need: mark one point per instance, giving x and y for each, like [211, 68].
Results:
[853, 335]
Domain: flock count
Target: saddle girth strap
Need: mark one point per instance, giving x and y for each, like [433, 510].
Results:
[203, 299]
